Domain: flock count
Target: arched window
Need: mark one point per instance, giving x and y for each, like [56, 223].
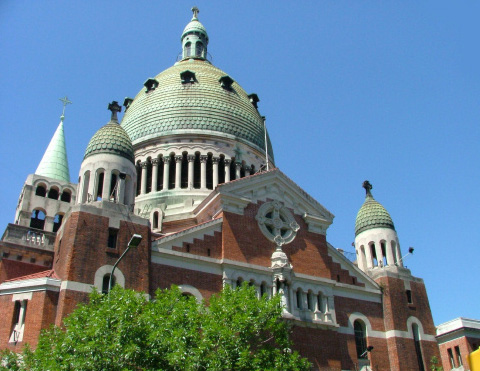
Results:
[106, 282]
[149, 175]
[184, 180]
[38, 219]
[41, 190]
[155, 220]
[374, 254]
[196, 171]
[209, 171]
[263, 289]
[310, 302]
[160, 174]
[299, 299]
[233, 167]
[384, 253]
[360, 338]
[221, 170]
[171, 172]
[66, 196]
[239, 282]
[139, 177]
[199, 49]
[53, 193]
[99, 193]
[242, 171]
[320, 302]
[418, 348]
[57, 222]
[188, 49]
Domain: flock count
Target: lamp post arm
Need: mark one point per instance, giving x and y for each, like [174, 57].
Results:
[115, 266]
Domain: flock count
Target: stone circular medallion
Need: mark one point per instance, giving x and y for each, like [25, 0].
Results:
[277, 223]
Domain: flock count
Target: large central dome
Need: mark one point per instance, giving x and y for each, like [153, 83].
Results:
[192, 128]
[206, 104]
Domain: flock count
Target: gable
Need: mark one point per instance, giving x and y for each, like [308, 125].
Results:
[268, 186]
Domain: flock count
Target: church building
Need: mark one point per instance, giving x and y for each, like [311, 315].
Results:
[191, 169]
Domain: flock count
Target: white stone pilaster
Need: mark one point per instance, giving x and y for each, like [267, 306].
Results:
[166, 172]
[178, 172]
[155, 174]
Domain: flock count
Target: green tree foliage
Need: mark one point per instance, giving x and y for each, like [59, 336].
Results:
[125, 331]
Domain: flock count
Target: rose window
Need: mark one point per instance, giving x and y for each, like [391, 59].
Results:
[277, 223]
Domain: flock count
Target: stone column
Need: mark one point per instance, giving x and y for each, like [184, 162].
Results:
[191, 163]
[378, 250]
[178, 172]
[107, 179]
[143, 190]
[121, 191]
[215, 171]
[399, 254]
[154, 174]
[203, 172]
[166, 172]
[389, 252]
[238, 166]
[227, 170]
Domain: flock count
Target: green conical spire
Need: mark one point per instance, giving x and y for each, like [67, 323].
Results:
[54, 163]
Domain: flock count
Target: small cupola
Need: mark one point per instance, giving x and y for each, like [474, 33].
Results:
[194, 38]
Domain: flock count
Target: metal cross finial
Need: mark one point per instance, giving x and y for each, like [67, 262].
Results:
[195, 12]
[65, 102]
[114, 107]
[368, 187]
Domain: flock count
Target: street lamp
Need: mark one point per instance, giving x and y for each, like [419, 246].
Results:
[134, 242]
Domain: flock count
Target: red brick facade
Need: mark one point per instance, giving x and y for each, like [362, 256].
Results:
[326, 293]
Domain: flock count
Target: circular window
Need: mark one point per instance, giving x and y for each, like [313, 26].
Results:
[277, 223]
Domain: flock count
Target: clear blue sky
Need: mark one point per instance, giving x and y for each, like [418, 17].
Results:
[352, 90]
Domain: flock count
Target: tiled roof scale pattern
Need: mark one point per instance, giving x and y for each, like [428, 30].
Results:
[199, 107]
[113, 139]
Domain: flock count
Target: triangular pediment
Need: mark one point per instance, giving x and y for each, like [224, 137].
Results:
[268, 186]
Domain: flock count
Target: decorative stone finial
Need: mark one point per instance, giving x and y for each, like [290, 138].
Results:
[368, 187]
[195, 13]
[114, 107]
[65, 101]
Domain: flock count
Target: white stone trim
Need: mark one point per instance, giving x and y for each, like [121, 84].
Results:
[23, 296]
[191, 290]
[76, 286]
[30, 285]
[107, 269]
[458, 324]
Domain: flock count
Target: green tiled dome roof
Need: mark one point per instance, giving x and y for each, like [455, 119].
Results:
[372, 215]
[193, 26]
[203, 106]
[113, 139]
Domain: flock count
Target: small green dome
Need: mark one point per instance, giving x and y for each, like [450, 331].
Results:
[194, 26]
[372, 214]
[111, 138]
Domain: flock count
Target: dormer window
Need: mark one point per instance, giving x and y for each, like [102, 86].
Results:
[127, 102]
[151, 84]
[187, 77]
[254, 99]
[226, 82]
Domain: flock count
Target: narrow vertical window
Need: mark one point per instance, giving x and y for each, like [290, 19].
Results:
[112, 238]
[100, 186]
[409, 296]
[299, 299]
[360, 339]
[459, 356]
[106, 283]
[418, 348]
[450, 357]
[18, 321]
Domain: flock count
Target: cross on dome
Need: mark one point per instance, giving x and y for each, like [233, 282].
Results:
[114, 107]
[195, 11]
[368, 187]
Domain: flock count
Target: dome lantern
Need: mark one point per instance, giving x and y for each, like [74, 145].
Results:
[194, 38]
